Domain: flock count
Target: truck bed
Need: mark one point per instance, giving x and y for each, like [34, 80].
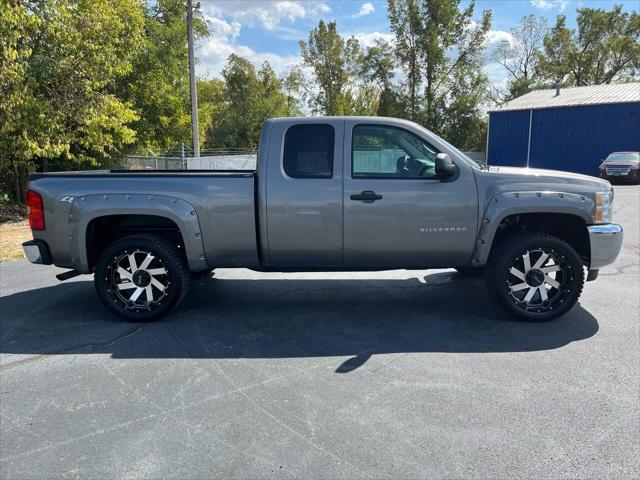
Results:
[221, 231]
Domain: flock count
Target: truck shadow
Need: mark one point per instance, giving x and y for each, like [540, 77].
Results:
[274, 318]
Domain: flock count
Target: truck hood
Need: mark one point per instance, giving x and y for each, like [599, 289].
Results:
[535, 178]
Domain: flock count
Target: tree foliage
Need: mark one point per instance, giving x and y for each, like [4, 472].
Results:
[604, 47]
[157, 85]
[63, 60]
[441, 50]
[333, 63]
[249, 97]
[521, 55]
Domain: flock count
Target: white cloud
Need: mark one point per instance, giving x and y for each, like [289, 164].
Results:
[214, 50]
[267, 13]
[549, 4]
[365, 9]
[367, 40]
[495, 37]
[320, 8]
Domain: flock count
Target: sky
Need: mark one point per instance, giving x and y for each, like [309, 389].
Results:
[269, 30]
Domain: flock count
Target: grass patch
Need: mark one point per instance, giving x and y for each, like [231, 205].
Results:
[12, 234]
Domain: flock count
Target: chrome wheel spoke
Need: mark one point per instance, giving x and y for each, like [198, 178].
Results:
[135, 295]
[543, 293]
[541, 260]
[149, 291]
[520, 286]
[551, 281]
[133, 266]
[550, 269]
[517, 273]
[145, 263]
[530, 294]
[126, 286]
[157, 271]
[124, 274]
[527, 262]
[157, 284]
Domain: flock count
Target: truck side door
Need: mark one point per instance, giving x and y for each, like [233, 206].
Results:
[397, 212]
[303, 193]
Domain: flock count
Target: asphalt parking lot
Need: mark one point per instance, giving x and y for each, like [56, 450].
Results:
[366, 375]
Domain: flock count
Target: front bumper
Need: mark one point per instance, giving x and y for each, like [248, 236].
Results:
[605, 241]
[37, 251]
[629, 175]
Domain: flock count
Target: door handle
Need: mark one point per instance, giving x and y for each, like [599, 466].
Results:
[367, 196]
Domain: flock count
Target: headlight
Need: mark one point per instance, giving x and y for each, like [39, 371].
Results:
[603, 210]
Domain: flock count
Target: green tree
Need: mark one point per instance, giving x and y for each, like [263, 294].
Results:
[293, 84]
[520, 56]
[376, 67]
[158, 84]
[605, 47]
[441, 43]
[333, 62]
[249, 98]
[405, 17]
[64, 58]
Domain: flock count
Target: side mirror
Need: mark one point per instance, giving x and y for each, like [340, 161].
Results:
[445, 168]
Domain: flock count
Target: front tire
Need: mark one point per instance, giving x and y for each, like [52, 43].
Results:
[141, 278]
[535, 276]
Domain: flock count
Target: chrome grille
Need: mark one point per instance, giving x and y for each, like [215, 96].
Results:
[620, 170]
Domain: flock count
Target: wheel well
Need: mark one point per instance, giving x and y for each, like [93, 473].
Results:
[103, 231]
[570, 228]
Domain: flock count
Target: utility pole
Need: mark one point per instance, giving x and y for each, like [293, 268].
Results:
[192, 78]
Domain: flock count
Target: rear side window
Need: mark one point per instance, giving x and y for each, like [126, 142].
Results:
[308, 151]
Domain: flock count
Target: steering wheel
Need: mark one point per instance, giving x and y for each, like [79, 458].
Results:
[402, 166]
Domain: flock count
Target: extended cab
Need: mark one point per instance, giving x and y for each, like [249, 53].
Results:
[329, 193]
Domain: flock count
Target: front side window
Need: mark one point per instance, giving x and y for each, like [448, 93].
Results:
[308, 151]
[389, 152]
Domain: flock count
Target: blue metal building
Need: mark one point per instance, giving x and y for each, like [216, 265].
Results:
[570, 129]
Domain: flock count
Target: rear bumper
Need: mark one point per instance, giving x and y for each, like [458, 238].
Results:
[606, 241]
[37, 251]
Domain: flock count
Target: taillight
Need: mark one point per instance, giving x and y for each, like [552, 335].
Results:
[36, 210]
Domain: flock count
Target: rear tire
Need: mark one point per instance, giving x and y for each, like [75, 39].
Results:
[536, 277]
[141, 278]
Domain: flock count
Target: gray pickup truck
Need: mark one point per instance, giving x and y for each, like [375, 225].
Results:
[328, 194]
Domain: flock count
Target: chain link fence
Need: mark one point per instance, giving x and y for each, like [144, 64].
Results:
[183, 159]
[227, 159]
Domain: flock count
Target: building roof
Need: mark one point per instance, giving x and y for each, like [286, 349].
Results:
[573, 96]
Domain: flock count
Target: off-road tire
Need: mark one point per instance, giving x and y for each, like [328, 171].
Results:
[500, 280]
[176, 279]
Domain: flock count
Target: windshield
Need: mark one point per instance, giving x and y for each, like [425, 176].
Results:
[623, 156]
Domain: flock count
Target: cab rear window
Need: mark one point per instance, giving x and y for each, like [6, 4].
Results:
[308, 151]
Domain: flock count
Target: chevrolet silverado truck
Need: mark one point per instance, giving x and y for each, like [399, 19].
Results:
[328, 194]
